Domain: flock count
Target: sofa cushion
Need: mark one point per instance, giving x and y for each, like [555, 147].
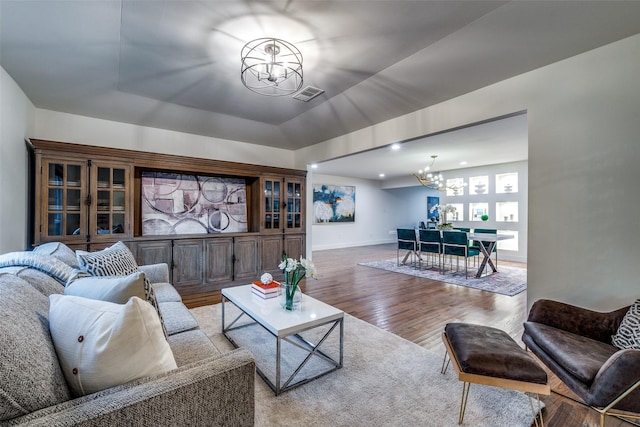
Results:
[177, 317]
[191, 346]
[116, 289]
[580, 356]
[101, 344]
[165, 292]
[59, 250]
[31, 375]
[628, 334]
[40, 281]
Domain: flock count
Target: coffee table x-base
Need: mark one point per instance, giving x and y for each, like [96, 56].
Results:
[286, 326]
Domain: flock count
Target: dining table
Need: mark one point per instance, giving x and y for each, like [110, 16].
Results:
[491, 240]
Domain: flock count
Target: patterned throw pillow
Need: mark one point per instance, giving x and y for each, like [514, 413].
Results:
[116, 260]
[628, 334]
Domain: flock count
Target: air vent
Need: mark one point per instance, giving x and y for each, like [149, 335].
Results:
[308, 93]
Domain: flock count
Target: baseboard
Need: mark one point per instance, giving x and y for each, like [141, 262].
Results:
[343, 245]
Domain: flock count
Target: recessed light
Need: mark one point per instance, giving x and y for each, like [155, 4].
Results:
[381, 175]
[463, 163]
[395, 146]
[314, 166]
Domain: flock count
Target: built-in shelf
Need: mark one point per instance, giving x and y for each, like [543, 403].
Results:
[507, 211]
[479, 185]
[457, 184]
[507, 183]
[511, 244]
[476, 210]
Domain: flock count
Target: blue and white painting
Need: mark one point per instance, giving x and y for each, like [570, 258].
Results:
[334, 203]
[431, 202]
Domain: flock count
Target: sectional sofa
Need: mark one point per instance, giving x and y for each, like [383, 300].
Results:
[203, 387]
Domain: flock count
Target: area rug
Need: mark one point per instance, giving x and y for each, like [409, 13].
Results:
[507, 281]
[385, 381]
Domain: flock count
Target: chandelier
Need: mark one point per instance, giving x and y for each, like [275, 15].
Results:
[434, 180]
[271, 67]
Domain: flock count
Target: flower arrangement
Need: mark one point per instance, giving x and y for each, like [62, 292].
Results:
[294, 271]
[443, 211]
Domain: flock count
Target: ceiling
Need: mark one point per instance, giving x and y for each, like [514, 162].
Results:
[499, 141]
[175, 64]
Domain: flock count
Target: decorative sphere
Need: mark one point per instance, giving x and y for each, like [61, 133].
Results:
[266, 278]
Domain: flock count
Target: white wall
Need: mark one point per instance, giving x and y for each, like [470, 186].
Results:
[584, 153]
[380, 211]
[56, 126]
[375, 216]
[16, 123]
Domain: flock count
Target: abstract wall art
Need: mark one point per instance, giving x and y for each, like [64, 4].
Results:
[191, 204]
[334, 203]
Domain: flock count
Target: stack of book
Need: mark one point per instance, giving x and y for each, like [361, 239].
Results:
[265, 291]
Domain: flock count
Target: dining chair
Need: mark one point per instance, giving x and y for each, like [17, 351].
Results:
[476, 245]
[430, 242]
[471, 244]
[456, 243]
[407, 242]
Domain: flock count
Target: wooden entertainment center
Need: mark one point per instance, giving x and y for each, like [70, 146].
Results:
[90, 197]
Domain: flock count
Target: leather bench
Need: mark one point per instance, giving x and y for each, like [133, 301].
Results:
[489, 356]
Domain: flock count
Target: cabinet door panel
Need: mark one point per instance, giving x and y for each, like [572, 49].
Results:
[271, 254]
[246, 256]
[154, 252]
[187, 262]
[294, 245]
[218, 260]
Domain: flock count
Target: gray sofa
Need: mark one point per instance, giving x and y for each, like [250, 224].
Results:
[208, 388]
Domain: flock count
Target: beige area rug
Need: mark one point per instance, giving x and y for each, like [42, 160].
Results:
[385, 381]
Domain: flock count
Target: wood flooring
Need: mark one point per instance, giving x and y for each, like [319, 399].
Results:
[417, 309]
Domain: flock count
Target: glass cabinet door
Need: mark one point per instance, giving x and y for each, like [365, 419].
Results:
[110, 185]
[64, 213]
[294, 204]
[272, 198]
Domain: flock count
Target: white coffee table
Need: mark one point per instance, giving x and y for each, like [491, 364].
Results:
[286, 326]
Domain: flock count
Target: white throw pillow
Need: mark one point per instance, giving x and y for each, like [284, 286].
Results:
[628, 334]
[101, 344]
[116, 289]
[116, 260]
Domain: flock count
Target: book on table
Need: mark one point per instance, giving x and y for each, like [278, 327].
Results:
[265, 291]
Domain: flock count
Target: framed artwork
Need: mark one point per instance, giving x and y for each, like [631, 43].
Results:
[334, 203]
[431, 202]
[191, 204]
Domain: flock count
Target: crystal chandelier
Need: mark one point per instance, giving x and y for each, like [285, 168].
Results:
[434, 180]
[271, 67]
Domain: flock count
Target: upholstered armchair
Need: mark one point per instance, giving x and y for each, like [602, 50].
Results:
[576, 345]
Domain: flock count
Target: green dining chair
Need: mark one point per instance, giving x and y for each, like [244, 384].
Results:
[456, 243]
[430, 242]
[407, 242]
